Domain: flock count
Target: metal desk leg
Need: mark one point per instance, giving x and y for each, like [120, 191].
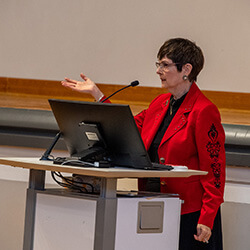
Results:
[36, 182]
[106, 216]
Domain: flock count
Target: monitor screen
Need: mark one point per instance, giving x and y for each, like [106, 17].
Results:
[93, 129]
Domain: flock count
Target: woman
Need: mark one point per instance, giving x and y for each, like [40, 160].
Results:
[182, 127]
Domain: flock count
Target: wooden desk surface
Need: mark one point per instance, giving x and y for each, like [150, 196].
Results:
[35, 163]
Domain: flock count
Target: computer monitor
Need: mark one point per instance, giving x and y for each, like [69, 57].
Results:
[92, 129]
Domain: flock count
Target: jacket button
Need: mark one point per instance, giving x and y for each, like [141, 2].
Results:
[162, 160]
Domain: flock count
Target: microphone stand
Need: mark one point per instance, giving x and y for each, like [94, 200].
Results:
[133, 84]
[115, 93]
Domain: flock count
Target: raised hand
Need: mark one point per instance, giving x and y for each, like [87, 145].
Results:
[87, 86]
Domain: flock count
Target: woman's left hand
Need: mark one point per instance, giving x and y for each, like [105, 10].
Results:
[203, 233]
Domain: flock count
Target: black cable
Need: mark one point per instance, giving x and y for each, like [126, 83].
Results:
[71, 184]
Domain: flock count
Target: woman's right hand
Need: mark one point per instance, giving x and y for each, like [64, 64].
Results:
[87, 86]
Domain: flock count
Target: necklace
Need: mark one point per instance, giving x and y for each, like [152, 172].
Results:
[171, 105]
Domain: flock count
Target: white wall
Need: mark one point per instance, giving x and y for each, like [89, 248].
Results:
[235, 209]
[116, 41]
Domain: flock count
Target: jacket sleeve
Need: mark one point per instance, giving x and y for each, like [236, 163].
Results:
[103, 98]
[139, 118]
[210, 139]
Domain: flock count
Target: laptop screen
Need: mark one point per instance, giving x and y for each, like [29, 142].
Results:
[92, 129]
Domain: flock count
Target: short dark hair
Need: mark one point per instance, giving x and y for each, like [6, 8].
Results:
[183, 51]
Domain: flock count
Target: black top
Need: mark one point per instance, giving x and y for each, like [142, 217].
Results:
[153, 184]
[172, 110]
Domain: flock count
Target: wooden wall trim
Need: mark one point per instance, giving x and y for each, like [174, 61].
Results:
[137, 95]
[229, 100]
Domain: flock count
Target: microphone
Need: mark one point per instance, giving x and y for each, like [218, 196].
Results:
[132, 84]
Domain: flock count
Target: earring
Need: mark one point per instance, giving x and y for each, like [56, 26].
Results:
[184, 77]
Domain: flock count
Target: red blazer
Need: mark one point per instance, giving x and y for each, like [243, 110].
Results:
[195, 138]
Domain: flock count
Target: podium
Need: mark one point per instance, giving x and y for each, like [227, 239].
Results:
[61, 219]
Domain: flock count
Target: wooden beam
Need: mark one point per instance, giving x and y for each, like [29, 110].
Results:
[135, 96]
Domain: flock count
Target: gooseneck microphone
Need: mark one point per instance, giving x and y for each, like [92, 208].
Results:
[132, 84]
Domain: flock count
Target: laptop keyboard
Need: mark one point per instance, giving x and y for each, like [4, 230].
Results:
[158, 166]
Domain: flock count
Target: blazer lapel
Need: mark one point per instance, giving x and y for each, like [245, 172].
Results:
[179, 120]
[157, 122]
[181, 117]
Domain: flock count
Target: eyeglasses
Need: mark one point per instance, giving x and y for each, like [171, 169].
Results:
[164, 65]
